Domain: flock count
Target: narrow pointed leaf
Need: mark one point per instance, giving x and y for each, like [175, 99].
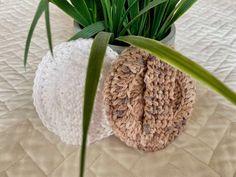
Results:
[95, 9]
[71, 11]
[179, 10]
[159, 13]
[82, 7]
[182, 7]
[40, 9]
[89, 31]
[124, 16]
[95, 64]
[91, 3]
[181, 62]
[143, 20]
[105, 16]
[151, 5]
[117, 12]
[146, 32]
[106, 5]
[171, 6]
[133, 13]
[48, 27]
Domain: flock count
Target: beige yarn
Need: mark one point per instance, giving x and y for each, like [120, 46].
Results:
[147, 101]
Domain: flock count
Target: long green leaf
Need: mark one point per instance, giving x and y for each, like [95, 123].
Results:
[98, 10]
[91, 4]
[89, 31]
[158, 16]
[124, 16]
[163, 29]
[71, 11]
[171, 6]
[143, 20]
[105, 16]
[109, 14]
[182, 7]
[82, 7]
[106, 5]
[151, 5]
[148, 26]
[179, 10]
[48, 27]
[41, 8]
[181, 62]
[117, 13]
[97, 54]
[94, 7]
[133, 13]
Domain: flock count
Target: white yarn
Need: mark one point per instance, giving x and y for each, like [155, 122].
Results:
[59, 88]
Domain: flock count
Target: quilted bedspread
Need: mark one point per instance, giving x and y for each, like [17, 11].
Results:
[207, 34]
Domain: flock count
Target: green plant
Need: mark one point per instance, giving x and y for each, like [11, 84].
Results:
[141, 23]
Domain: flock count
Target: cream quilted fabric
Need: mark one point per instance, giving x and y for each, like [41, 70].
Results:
[207, 148]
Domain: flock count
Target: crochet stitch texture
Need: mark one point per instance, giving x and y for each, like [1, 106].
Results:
[59, 92]
[148, 102]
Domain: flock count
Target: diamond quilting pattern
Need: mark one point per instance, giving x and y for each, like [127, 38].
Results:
[207, 148]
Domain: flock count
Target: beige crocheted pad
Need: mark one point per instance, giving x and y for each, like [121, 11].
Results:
[206, 149]
[148, 102]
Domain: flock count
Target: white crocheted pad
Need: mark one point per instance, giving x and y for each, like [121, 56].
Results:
[58, 92]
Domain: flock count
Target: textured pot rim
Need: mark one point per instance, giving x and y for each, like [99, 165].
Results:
[168, 40]
[170, 36]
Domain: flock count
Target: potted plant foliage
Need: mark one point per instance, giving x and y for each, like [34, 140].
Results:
[145, 25]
